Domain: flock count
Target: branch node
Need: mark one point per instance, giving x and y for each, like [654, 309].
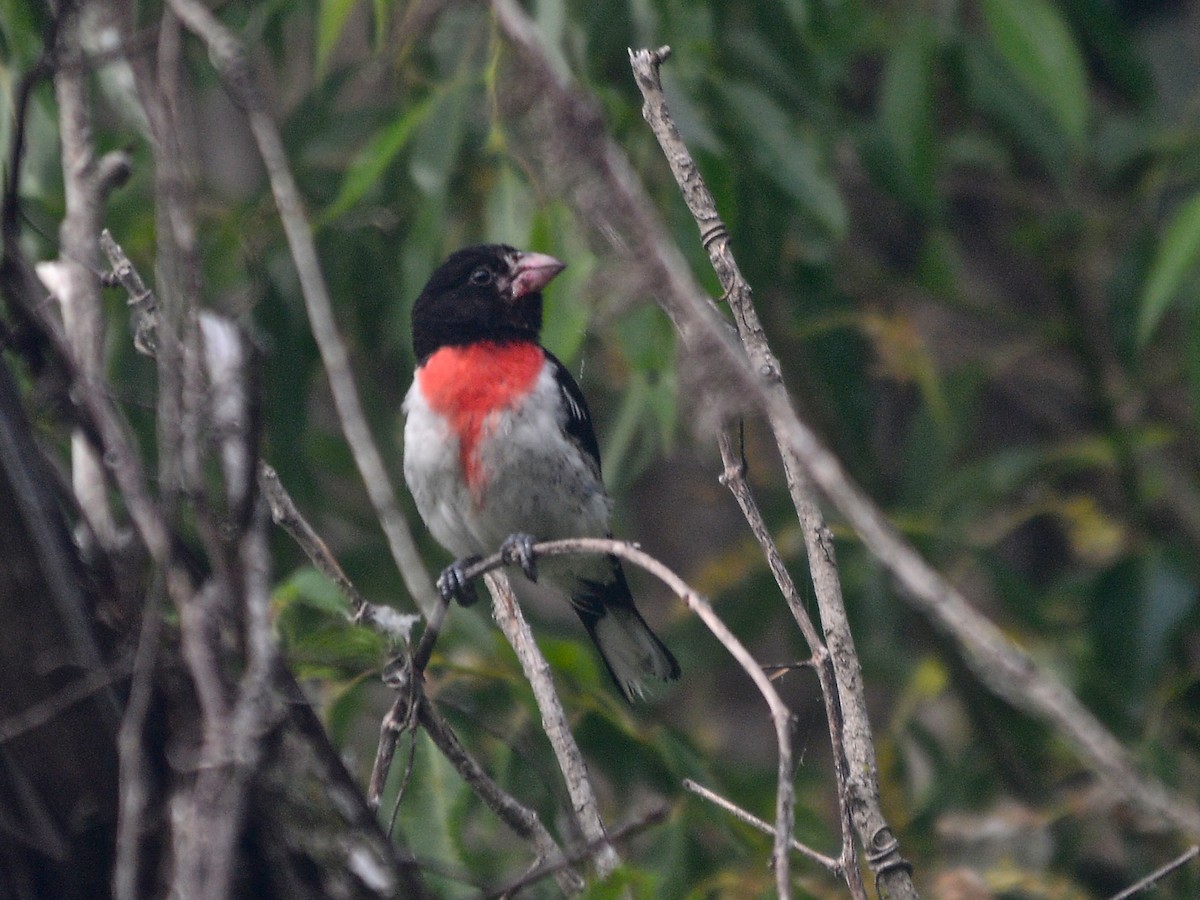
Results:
[884, 855]
[713, 233]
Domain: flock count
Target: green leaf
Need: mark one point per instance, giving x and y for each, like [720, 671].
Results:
[381, 17]
[1173, 262]
[1038, 46]
[310, 588]
[22, 26]
[431, 812]
[906, 107]
[375, 157]
[787, 154]
[1027, 123]
[331, 19]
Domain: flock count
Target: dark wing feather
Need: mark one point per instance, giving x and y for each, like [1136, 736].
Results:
[579, 420]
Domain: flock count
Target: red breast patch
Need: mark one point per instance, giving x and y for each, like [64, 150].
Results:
[465, 385]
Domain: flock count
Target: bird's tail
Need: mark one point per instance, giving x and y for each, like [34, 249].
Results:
[630, 650]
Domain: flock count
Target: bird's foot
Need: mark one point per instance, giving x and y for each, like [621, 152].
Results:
[453, 583]
[518, 548]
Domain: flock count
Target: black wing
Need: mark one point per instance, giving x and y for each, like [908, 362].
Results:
[579, 420]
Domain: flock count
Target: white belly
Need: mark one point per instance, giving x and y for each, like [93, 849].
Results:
[533, 479]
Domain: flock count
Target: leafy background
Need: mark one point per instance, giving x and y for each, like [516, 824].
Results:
[973, 231]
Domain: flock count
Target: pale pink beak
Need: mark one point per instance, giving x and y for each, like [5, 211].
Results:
[533, 271]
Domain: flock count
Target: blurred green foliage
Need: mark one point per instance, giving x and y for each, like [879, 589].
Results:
[973, 230]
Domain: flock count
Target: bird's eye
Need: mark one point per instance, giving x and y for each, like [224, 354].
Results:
[481, 276]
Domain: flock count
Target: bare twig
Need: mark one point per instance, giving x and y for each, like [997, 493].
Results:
[1159, 874]
[409, 765]
[230, 57]
[547, 869]
[836, 867]
[822, 663]
[92, 682]
[388, 621]
[780, 715]
[507, 613]
[87, 182]
[177, 265]
[846, 708]
[134, 769]
[399, 719]
[1003, 667]
[143, 306]
[412, 705]
[521, 819]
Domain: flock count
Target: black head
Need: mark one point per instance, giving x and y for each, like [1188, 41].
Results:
[491, 292]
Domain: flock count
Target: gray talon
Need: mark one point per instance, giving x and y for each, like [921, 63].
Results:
[453, 584]
[518, 548]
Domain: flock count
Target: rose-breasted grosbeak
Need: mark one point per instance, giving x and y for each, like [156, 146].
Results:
[499, 447]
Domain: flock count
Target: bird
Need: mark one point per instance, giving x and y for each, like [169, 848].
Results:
[499, 451]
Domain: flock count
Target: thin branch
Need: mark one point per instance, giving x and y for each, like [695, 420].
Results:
[507, 613]
[1159, 874]
[230, 58]
[780, 715]
[92, 682]
[87, 183]
[859, 791]
[521, 819]
[21, 95]
[134, 769]
[406, 677]
[95, 411]
[836, 867]
[822, 662]
[143, 306]
[577, 854]
[399, 719]
[412, 705]
[385, 619]
[1003, 667]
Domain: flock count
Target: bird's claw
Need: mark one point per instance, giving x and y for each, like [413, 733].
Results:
[453, 583]
[518, 548]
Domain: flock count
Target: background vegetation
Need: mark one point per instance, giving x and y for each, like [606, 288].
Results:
[972, 229]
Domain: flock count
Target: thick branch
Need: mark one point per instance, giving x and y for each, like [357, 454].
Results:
[855, 741]
[229, 56]
[73, 279]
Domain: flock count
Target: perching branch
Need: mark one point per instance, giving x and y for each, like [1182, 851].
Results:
[780, 715]
[507, 613]
[411, 699]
